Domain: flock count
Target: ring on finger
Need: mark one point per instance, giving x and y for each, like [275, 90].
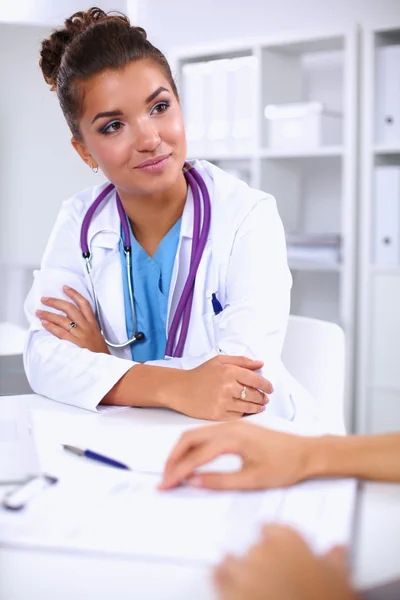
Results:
[243, 393]
[72, 324]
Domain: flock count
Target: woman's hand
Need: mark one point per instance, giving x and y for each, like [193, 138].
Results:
[223, 388]
[269, 458]
[86, 334]
[282, 567]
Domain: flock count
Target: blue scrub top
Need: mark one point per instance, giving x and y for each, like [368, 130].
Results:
[151, 277]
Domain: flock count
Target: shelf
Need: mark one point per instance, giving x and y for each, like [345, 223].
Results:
[297, 265]
[327, 151]
[384, 388]
[324, 151]
[387, 150]
[388, 270]
[224, 156]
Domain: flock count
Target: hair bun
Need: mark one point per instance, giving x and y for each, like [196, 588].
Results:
[51, 54]
[54, 47]
[82, 20]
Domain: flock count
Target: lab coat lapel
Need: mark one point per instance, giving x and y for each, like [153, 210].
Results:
[104, 236]
[182, 261]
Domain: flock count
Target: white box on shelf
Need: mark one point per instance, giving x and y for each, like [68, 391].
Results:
[387, 215]
[302, 125]
[388, 95]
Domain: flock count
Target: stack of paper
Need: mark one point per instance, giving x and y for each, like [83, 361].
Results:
[313, 248]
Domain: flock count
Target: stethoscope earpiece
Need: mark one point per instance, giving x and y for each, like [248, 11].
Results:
[139, 336]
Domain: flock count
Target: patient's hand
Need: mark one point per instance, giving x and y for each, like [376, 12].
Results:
[86, 334]
[282, 567]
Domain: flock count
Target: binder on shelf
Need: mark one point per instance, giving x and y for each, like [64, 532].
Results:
[219, 106]
[388, 95]
[216, 106]
[194, 93]
[243, 73]
[387, 215]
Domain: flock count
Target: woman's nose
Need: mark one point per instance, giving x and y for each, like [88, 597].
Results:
[147, 136]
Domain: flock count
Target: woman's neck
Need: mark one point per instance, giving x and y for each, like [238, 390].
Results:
[152, 216]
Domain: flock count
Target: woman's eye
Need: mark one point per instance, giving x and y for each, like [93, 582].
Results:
[112, 127]
[160, 107]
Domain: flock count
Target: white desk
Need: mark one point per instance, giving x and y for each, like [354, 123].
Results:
[43, 575]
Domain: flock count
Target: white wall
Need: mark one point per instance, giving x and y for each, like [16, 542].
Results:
[178, 23]
[52, 12]
[38, 166]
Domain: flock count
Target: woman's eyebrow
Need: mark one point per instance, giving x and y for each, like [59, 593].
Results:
[155, 94]
[110, 113]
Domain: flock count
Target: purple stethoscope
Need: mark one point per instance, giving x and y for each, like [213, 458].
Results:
[184, 308]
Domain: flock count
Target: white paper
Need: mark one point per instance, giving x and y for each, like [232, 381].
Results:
[95, 508]
[122, 513]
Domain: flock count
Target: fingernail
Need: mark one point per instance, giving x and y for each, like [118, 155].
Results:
[194, 481]
[66, 288]
[44, 323]
[45, 298]
[262, 408]
[38, 313]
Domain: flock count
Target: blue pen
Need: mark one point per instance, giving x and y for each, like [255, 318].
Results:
[95, 456]
[217, 306]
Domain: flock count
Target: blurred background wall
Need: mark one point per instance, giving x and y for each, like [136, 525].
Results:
[38, 168]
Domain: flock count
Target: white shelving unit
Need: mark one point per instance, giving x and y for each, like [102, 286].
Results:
[378, 327]
[315, 188]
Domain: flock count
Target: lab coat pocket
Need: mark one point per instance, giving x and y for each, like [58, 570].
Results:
[211, 324]
[211, 319]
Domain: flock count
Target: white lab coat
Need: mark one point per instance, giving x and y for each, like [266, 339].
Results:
[244, 262]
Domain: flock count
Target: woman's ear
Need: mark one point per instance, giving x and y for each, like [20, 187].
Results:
[84, 154]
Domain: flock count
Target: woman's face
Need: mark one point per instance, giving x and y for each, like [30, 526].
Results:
[132, 128]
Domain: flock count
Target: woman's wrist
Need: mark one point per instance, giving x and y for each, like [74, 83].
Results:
[146, 385]
[317, 456]
[332, 456]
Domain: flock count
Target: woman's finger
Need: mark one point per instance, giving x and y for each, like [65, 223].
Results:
[60, 332]
[254, 380]
[251, 395]
[217, 438]
[56, 319]
[192, 439]
[245, 407]
[243, 479]
[82, 303]
[178, 471]
[72, 312]
[225, 576]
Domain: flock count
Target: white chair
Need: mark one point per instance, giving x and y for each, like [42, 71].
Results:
[314, 354]
[12, 339]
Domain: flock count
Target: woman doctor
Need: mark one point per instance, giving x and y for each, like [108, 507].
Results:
[119, 99]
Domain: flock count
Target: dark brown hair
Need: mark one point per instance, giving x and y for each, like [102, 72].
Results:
[89, 43]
